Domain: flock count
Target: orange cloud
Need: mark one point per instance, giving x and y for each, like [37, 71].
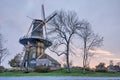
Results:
[114, 59]
[102, 52]
[99, 51]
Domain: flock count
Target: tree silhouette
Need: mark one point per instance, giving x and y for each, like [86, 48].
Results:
[90, 42]
[15, 62]
[3, 51]
[64, 27]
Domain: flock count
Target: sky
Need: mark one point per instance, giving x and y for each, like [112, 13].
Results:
[103, 15]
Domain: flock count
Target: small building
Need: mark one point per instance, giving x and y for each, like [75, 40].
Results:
[46, 60]
[112, 68]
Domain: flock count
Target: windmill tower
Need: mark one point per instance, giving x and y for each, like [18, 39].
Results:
[35, 42]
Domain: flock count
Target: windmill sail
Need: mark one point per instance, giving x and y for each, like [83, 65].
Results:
[44, 28]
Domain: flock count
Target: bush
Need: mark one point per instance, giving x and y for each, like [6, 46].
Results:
[101, 67]
[2, 69]
[101, 70]
[41, 69]
[87, 69]
[14, 69]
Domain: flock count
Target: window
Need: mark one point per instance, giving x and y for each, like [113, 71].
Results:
[34, 55]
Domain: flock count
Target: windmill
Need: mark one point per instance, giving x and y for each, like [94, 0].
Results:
[36, 41]
[42, 23]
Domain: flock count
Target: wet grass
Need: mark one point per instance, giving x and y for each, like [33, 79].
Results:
[62, 72]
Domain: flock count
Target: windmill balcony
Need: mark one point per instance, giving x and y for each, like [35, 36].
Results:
[25, 39]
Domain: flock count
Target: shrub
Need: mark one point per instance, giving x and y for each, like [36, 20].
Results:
[26, 71]
[88, 69]
[2, 69]
[41, 69]
[101, 67]
[14, 69]
[101, 70]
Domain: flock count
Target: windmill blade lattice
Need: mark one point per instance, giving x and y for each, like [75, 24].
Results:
[30, 28]
[44, 26]
[43, 22]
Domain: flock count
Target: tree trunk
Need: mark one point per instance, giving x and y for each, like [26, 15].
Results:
[67, 58]
[84, 57]
[67, 61]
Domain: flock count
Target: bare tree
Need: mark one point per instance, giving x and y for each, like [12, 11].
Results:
[90, 42]
[118, 63]
[101, 67]
[111, 62]
[3, 51]
[16, 61]
[64, 27]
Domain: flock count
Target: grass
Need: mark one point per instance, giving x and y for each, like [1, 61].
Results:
[74, 72]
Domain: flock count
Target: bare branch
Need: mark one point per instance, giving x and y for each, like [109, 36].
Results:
[65, 26]
[90, 41]
[3, 51]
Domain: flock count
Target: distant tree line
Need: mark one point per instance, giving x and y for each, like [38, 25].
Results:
[110, 68]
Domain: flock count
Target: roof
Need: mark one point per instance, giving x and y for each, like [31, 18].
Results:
[44, 56]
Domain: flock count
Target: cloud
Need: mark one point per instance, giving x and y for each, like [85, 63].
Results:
[98, 51]
[102, 52]
[114, 59]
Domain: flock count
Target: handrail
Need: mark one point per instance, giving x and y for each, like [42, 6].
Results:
[28, 36]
